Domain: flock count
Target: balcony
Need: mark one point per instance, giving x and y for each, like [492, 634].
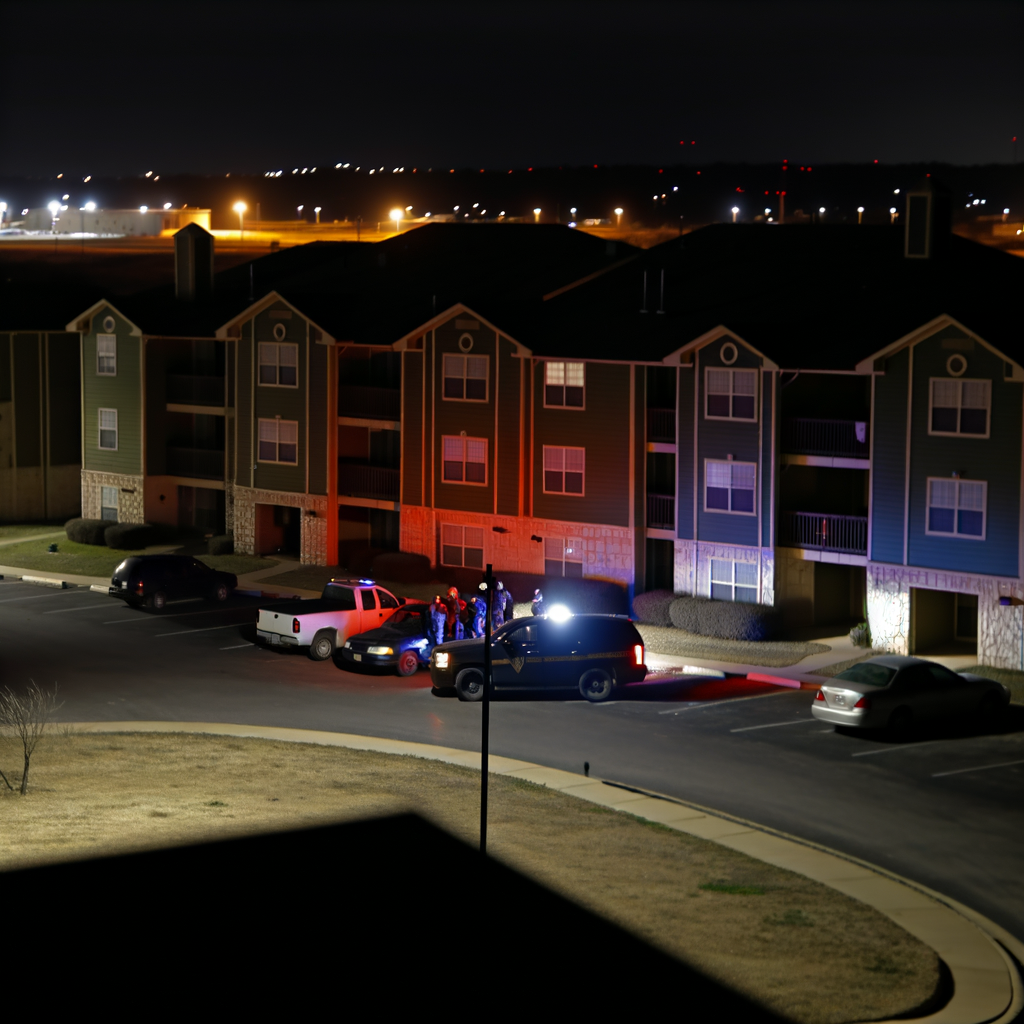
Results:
[661, 425]
[359, 481]
[846, 439]
[203, 463]
[661, 511]
[370, 403]
[186, 389]
[843, 534]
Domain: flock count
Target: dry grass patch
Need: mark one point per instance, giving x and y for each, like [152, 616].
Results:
[796, 946]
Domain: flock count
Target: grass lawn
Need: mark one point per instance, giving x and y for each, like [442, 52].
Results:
[15, 531]
[769, 653]
[1012, 677]
[93, 560]
[800, 948]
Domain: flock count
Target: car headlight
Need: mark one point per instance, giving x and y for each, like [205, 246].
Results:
[348, 644]
[379, 650]
[441, 659]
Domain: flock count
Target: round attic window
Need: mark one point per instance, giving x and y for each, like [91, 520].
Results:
[466, 342]
[728, 353]
[279, 332]
[956, 365]
[109, 324]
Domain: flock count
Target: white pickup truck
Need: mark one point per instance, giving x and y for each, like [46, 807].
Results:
[345, 608]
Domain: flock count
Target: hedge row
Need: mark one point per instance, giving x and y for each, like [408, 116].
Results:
[222, 544]
[120, 536]
[725, 620]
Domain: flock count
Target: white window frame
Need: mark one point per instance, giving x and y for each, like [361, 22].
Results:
[563, 367]
[960, 381]
[464, 443]
[100, 428]
[731, 582]
[730, 511]
[732, 371]
[277, 346]
[461, 528]
[277, 424]
[565, 546]
[115, 506]
[544, 470]
[956, 508]
[101, 340]
[465, 357]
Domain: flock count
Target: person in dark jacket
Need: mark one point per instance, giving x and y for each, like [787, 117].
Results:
[453, 621]
[438, 615]
[478, 607]
[508, 605]
[537, 606]
[497, 608]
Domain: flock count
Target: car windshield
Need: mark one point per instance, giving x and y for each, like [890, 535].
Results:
[870, 675]
[406, 615]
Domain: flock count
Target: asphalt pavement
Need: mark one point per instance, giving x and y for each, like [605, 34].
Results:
[945, 808]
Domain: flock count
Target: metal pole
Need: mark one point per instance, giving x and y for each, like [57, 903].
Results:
[485, 722]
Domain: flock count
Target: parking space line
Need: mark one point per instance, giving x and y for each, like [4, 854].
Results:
[204, 629]
[700, 705]
[978, 768]
[78, 608]
[238, 646]
[772, 725]
[179, 615]
[33, 597]
[897, 746]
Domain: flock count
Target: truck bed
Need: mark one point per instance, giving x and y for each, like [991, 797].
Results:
[300, 607]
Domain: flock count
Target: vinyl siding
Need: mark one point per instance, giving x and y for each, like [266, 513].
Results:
[996, 460]
[684, 457]
[602, 428]
[508, 429]
[769, 415]
[27, 371]
[245, 451]
[319, 424]
[888, 459]
[639, 477]
[412, 428]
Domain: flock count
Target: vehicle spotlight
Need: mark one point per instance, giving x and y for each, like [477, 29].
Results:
[559, 613]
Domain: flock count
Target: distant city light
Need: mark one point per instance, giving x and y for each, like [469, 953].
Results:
[860, 209]
[821, 209]
[65, 196]
[143, 209]
[167, 206]
[536, 214]
[572, 210]
[767, 210]
[735, 213]
[88, 177]
[895, 191]
[396, 215]
[149, 174]
[337, 166]
[316, 210]
[1006, 211]
[90, 207]
[53, 206]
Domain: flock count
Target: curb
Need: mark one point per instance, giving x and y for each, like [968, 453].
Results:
[987, 987]
[45, 581]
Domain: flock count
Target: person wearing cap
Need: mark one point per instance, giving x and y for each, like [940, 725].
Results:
[537, 606]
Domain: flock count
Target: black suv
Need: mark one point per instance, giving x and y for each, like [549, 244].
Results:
[592, 655]
[154, 580]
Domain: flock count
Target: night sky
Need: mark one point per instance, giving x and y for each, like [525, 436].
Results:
[121, 88]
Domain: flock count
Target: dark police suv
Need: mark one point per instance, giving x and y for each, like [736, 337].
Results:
[592, 655]
[154, 580]
[402, 643]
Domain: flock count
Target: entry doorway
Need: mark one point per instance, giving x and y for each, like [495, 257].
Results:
[278, 530]
[659, 572]
[943, 622]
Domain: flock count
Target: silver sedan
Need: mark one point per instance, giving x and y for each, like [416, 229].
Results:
[893, 692]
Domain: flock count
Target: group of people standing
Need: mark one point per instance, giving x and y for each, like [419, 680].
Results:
[452, 618]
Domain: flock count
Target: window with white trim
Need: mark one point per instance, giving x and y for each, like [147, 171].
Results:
[108, 503]
[279, 365]
[462, 546]
[563, 385]
[279, 441]
[108, 430]
[465, 378]
[959, 407]
[729, 486]
[733, 581]
[564, 470]
[465, 460]
[730, 394]
[957, 508]
[563, 556]
[106, 355]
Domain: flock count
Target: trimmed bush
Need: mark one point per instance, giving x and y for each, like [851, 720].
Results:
[860, 635]
[223, 544]
[652, 607]
[726, 620]
[402, 567]
[129, 536]
[87, 531]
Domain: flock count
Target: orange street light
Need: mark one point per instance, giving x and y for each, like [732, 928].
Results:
[860, 213]
[735, 212]
[396, 215]
[536, 215]
[618, 216]
[240, 209]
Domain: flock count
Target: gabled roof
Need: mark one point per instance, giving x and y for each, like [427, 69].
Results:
[81, 321]
[270, 299]
[442, 318]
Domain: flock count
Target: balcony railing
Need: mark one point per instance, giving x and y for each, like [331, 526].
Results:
[661, 511]
[842, 438]
[198, 462]
[661, 425]
[368, 482]
[370, 403]
[845, 534]
[186, 389]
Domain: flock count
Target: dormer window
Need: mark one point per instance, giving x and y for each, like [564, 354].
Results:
[959, 407]
[730, 394]
[106, 355]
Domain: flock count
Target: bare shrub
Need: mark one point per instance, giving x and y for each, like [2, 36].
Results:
[27, 715]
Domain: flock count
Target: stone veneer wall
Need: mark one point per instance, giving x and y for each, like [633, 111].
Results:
[131, 505]
[313, 529]
[999, 627]
[693, 567]
[608, 550]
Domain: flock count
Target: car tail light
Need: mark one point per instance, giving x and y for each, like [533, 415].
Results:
[819, 696]
[864, 703]
[638, 653]
[295, 626]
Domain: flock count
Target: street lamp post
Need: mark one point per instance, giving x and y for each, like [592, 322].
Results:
[396, 216]
[316, 210]
[892, 214]
[860, 213]
[240, 209]
[618, 216]
[536, 215]
[735, 213]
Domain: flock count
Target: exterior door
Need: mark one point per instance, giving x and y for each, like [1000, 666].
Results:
[371, 616]
[516, 659]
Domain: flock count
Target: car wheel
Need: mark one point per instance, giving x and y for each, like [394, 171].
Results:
[989, 706]
[900, 721]
[596, 685]
[220, 593]
[322, 646]
[408, 663]
[469, 684]
[158, 601]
